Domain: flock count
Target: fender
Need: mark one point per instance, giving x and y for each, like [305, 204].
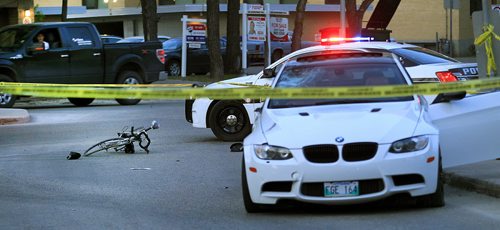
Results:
[7, 67]
[120, 63]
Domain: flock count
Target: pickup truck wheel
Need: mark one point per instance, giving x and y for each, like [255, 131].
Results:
[174, 68]
[81, 101]
[277, 54]
[229, 121]
[6, 100]
[129, 77]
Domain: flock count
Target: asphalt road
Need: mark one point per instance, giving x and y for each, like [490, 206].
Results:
[188, 181]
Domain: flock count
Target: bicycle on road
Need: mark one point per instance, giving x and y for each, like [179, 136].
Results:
[125, 141]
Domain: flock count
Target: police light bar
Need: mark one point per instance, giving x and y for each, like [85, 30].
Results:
[338, 39]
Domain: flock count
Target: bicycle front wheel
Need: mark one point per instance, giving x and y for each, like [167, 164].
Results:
[106, 144]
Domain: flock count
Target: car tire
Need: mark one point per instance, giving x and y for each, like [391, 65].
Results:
[229, 121]
[277, 54]
[129, 77]
[174, 68]
[81, 101]
[435, 199]
[6, 100]
[250, 206]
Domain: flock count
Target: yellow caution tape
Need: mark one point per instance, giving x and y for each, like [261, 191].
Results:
[131, 91]
[486, 39]
[97, 85]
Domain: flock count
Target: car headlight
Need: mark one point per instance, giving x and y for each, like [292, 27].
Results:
[409, 144]
[269, 152]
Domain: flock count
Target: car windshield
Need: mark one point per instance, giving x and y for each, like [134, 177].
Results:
[337, 75]
[172, 44]
[14, 38]
[422, 56]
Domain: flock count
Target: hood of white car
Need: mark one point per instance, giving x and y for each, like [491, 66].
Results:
[369, 122]
[250, 79]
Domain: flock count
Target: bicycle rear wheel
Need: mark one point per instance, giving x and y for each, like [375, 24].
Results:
[115, 143]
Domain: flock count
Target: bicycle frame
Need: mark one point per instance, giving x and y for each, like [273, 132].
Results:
[125, 141]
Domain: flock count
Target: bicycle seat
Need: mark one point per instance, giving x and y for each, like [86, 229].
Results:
[73, 156]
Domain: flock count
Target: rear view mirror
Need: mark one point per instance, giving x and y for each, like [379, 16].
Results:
[269, 73]
[236, 147]
[447, 97]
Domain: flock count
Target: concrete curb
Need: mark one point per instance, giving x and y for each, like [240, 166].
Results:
[13, 116]
[472, 184]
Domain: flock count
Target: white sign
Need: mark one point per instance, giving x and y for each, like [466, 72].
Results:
[196, 33]
[279, 29]
[255, 9]
[256, 28]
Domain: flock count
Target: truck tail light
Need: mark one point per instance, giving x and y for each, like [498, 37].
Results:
[160, 54]
[446, 76]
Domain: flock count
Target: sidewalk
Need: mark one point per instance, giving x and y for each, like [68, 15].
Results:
[483, 177]
[13, 116]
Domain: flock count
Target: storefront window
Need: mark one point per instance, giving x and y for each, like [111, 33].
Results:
[90, 4]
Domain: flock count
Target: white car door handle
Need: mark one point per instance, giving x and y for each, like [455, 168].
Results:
[64, 55]
[97, 54]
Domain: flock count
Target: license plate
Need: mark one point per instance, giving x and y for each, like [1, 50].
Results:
[341, 188]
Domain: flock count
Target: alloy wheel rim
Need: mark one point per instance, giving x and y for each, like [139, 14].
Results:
[231, 120]
[174, 68]
[131, 80]
[5, 98]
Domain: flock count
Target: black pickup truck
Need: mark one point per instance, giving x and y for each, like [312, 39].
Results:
[75, 55]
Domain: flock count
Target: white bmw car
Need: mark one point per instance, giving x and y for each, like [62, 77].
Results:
[342, 151]
[232, 120]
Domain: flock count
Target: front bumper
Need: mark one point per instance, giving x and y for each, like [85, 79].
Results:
[384, 175]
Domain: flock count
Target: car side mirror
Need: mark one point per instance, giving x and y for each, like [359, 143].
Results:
[447, 97]
[269, 73]
[236, 147]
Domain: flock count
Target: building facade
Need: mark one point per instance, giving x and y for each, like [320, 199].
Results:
[423, 22]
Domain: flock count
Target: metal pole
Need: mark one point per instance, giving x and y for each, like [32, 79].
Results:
[244, 38]
[268, 34]
[184, 46]
[342, 19]
[450, 44]
[486, 12]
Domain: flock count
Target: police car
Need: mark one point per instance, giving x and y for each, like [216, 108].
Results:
[232, 120]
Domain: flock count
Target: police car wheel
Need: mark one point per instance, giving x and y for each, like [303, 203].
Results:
[229, 121]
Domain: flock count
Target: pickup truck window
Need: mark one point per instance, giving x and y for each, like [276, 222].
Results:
[13, 38]
[81, 37]
[51, 36]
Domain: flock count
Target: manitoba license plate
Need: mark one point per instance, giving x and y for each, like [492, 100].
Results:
[341, 188]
